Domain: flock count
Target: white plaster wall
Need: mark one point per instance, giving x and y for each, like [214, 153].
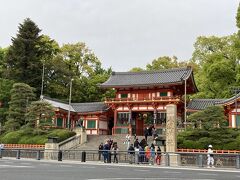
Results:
[142, 108]
[233, 121]
[126, 108]
[160, 108]
[94, 131]
[103, 125]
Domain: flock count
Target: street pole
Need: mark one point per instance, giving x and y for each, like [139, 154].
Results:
[185, 104]
[69, 104]
[41, 96]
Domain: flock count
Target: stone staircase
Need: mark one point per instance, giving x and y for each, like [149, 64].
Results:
[93, 141]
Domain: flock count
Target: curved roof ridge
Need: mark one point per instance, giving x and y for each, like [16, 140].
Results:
[87, 103]
[56, 100]
[149, 78]
[233, 98]
[151, 72]
[208, 99]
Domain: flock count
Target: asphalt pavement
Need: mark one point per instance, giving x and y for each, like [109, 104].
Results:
[23, 169]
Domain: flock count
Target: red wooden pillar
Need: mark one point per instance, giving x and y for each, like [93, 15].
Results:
[230, 120]
[98, 118]
[115, 121]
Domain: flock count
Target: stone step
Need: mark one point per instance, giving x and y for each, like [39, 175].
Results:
[93, 141]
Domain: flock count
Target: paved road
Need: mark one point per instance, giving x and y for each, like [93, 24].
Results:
[11, 169]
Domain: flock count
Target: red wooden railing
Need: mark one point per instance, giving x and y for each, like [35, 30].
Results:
[164, 98]
[205, 151]
[24, 146]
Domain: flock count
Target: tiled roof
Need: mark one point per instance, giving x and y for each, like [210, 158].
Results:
[146, 78]
[89, 107]
[58, 104]
[200, 104]
[78, 107]
[230, 100]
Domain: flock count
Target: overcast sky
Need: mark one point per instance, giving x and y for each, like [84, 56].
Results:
[123, 33]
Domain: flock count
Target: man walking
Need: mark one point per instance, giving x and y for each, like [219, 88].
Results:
[210, 160]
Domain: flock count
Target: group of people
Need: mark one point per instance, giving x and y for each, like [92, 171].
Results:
[150, 131]
[107, 149]
[140, 152]
[143, 153]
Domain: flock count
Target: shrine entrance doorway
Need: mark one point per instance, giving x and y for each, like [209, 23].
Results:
[140, 120]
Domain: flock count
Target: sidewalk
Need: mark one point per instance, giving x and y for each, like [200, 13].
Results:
[98, 163]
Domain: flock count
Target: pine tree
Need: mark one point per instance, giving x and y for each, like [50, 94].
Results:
[238, 20]
[23, 60]
[21, 97]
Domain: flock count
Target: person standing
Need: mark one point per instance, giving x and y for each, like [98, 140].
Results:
[115, 153]
[210, 160]
[152, 156]
[159, 154]
[128, 140]
[131, 152]
[100, 151]
[1, 148]
[106, 152]
[146, 133]
[136, 143]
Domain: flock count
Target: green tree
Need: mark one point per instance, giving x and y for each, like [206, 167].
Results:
[25, 56]
[164, 62]
[21, 96]
[39, 114]
[92, 92]
[136, 69]
[3, 52]
[218, 66]
[238, 19]
[78, 62]
[5, 87]
[210, 118]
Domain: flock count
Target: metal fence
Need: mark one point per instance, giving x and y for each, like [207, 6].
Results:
[183, 158]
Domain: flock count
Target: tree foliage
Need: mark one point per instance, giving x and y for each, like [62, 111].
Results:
[164, 62]
[39, 114]
[21, 96]
[3, 52]
[25, 56]
[218, 66]
[209, 118]
[78, 62]
[5, 88]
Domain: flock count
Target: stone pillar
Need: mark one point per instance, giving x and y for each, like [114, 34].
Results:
[51, 151]
[80, 131]
[171, 135]
[171, 128]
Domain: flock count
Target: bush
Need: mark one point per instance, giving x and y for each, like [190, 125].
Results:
[12, 137]
[61, 134]
[34, 136]
[220, 138]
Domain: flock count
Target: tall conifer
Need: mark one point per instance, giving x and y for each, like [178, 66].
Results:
[23, 59]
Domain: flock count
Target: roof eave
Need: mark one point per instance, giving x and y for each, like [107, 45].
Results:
[139, 85]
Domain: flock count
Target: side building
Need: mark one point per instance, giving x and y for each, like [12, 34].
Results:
[94, 116]
[231, 108]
